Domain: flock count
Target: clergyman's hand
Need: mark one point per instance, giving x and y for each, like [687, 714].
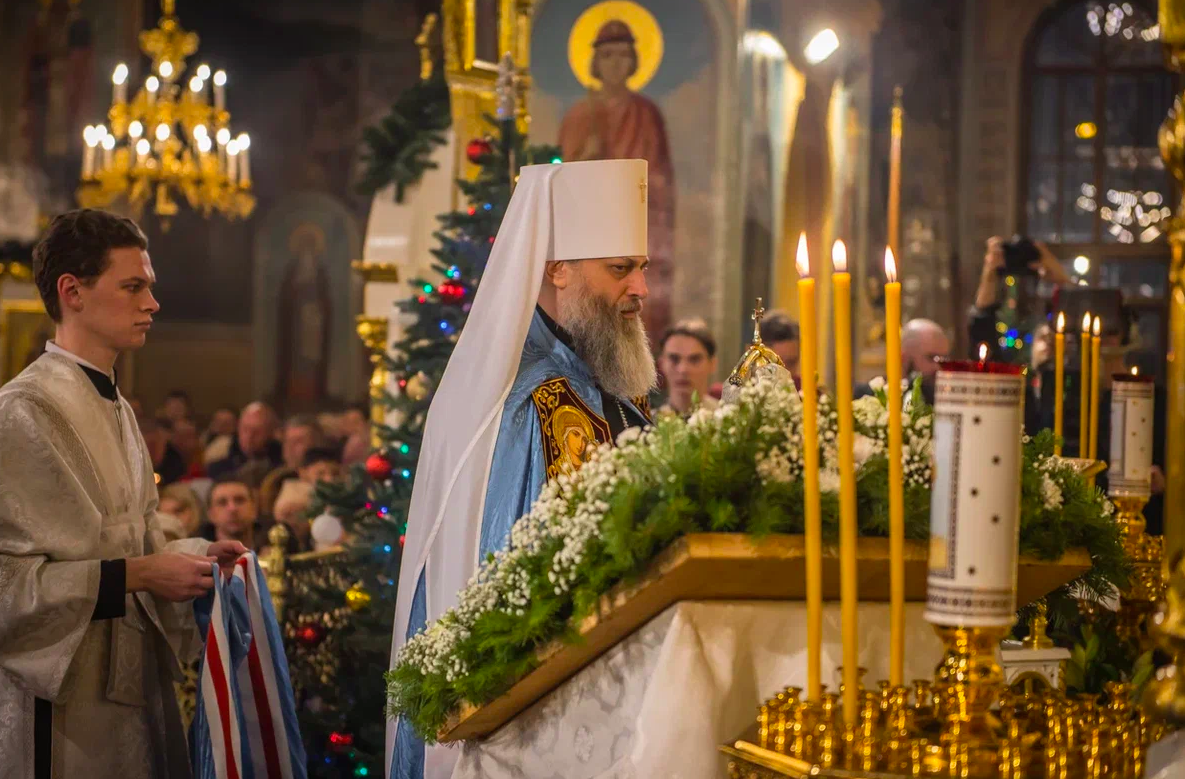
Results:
[226, 552]
[170, 575]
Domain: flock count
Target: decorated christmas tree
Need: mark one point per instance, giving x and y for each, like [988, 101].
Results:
[343, 716]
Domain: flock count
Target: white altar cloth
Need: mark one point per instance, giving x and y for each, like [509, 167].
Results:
[660, 702]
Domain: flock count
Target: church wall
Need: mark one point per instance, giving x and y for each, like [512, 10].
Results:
[993, 55]
[208, 360]
[917, 47]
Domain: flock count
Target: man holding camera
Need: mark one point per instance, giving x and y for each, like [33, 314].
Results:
[1018, 257]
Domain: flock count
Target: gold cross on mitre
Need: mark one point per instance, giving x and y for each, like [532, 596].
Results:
[642, 189]
[758, 313]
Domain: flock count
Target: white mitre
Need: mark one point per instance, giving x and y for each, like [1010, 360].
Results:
[565, 211]
[598, 209]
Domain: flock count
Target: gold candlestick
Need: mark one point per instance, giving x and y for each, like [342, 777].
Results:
[1146, 586]
[969, 680]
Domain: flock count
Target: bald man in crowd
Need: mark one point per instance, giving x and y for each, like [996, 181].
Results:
[255, 441]
[923, 344]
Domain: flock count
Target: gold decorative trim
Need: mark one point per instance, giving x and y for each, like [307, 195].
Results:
[16, 271]
[561, 411]
[376, 271]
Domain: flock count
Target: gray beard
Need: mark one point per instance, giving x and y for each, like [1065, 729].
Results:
[615, 349]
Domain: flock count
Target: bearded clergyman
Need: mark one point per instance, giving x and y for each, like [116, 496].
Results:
[553, 362]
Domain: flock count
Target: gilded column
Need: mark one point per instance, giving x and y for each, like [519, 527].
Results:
[1172, 148]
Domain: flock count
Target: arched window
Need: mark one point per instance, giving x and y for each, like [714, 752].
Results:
[1095, 185]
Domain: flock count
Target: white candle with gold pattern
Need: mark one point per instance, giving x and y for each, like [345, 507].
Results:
[975, 497]
[1132, 405]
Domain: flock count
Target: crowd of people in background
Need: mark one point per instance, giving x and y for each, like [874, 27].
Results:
[245, 471]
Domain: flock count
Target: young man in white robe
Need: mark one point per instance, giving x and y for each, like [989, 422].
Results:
[95, 618]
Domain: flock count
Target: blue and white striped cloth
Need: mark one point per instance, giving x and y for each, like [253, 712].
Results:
[245, 723]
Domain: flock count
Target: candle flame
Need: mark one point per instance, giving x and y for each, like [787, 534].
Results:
[1098, 327]
[1086, 322]
[983, 352]
[1135, 370]
[890, 265]
[839, 257]
[1061, 322]
[802, 260]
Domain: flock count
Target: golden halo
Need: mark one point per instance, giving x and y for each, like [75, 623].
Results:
[647, 37]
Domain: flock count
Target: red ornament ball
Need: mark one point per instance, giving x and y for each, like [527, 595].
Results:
[378, 466]
[310, 634]
[478, 148]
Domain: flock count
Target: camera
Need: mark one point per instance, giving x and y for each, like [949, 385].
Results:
[1019, 255]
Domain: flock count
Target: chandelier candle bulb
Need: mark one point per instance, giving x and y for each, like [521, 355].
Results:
[1084, 389]
[1129, 473]
[896, 477]
[975, 498]
[232, 159]
[812, 515]
[108, 151]
[142, 149]
[152, 85]
[244, 159]
[1059, 381]
[166, 70]
[120, 81]
[222, 136]
[220, 90]
[841, 285]
[90, 138]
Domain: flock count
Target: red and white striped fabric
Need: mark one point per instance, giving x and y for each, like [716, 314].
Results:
[217, 696]
[262, 718]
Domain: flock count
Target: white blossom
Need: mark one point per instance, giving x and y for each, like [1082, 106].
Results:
[829, 481]
[1051, 493]
[863, 448]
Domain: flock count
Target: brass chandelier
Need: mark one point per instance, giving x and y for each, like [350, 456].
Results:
[170, 138]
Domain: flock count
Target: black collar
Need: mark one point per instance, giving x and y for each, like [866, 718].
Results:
[103, 383]
[562, 335]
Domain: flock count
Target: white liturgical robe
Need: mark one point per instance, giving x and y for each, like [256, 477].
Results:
[82, 692]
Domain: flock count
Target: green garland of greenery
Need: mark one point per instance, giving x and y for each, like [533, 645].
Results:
[687, 478]
[399, 149]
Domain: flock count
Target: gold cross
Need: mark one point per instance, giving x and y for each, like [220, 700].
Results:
[642, 189]
[758, 313]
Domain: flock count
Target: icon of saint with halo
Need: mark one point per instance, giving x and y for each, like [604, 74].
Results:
[615, 122]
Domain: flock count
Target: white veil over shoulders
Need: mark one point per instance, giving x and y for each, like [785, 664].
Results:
[563, 211]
